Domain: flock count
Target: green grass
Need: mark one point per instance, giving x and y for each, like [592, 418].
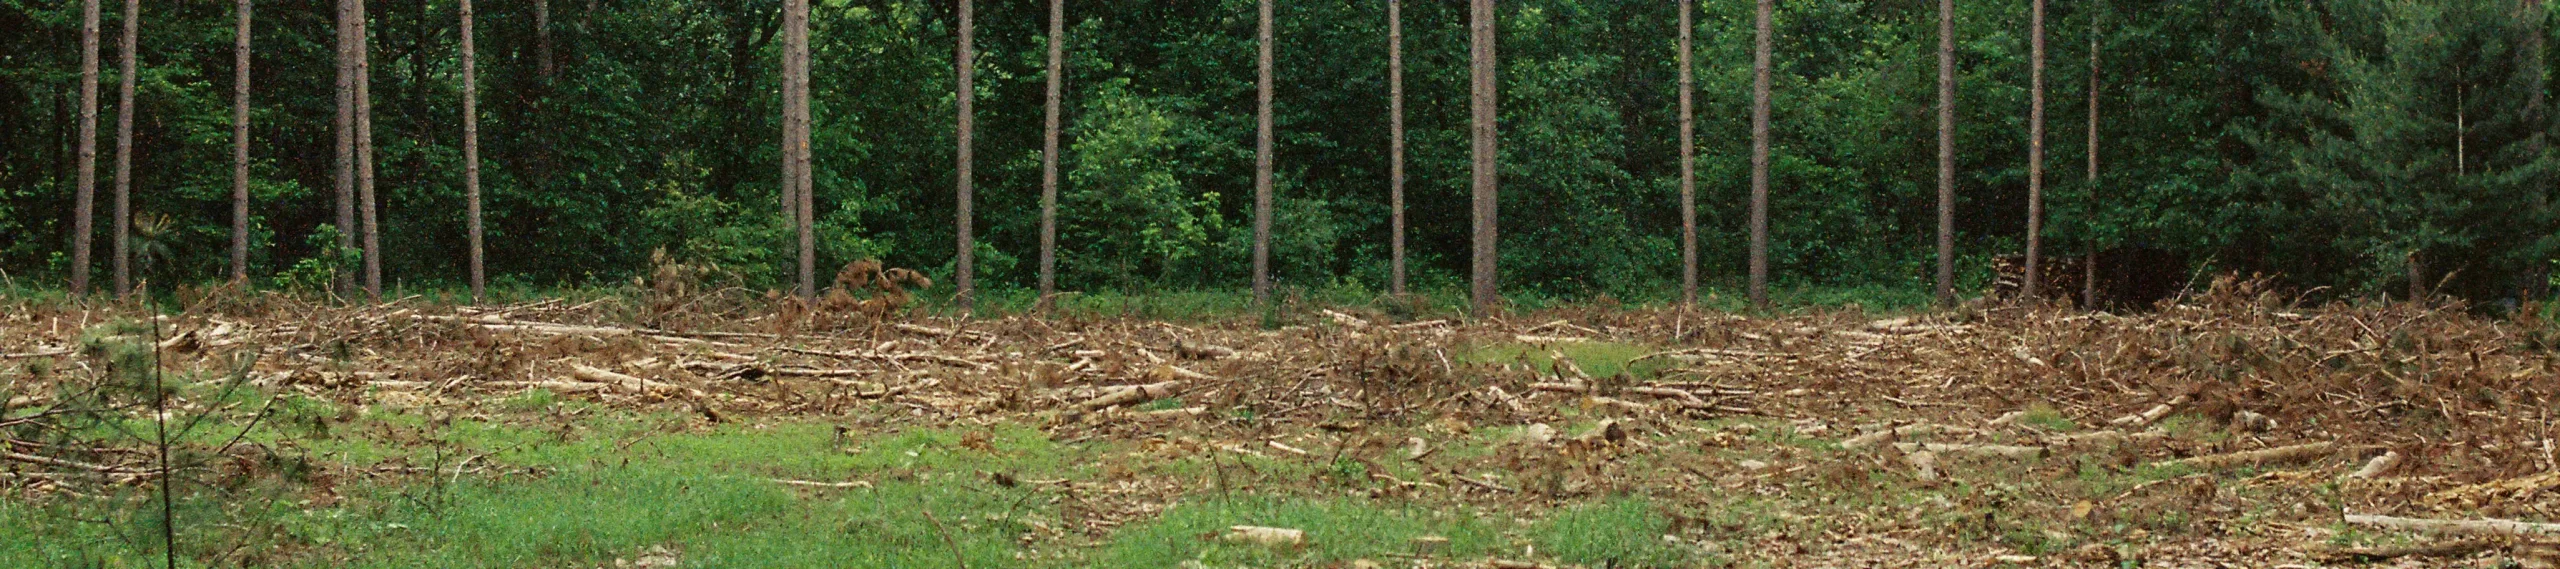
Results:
[1337, 531]
[1600, 359]
[1621, 532]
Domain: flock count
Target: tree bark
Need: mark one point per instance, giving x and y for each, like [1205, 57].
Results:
[124, 150]
[1760, 157]
[542, 40]
[1262, 158]
[1485, 290]
[84, 208]
[2033, 289]
[471, 151]
[2532, 52]
[1688, 168]
[367, 207]
[345, 126]
[240, 147]
[795, 155]
[2089, 263]
[1395, 145]
[1947, 153]
[1049, 151]
[966, 62]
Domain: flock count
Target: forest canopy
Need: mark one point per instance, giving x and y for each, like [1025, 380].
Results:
[2329, 144]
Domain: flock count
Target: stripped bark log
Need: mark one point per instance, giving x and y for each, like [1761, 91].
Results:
[2378, 465]
[2278, 455]
[1129, 394]
[2483, 526]
[2009, 451]
[2149, 416]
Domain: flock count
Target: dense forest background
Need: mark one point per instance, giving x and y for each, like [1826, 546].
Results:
[2323, 141]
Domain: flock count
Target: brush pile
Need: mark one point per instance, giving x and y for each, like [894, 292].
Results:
[2373, 414]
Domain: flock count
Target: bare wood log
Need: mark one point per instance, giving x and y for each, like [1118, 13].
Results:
[2483, 526]
[2278, 455]
[51, 461]
[37, 354]
[2149, 416]
[2101, 438]
[1924, 465]
[1896, 433]
[895, 357]
[2458, 548]
[1265, 536]
[857, 484]
[1128, 394]
[2010, 451]
[2378, 466]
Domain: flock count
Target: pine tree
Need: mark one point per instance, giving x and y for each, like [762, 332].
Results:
[471, 151]
[124, 149]
[1049, 151]
[966, 61]
[367, 208]
[1395, 145]
[1262, 159]
[1484, 291]
[240, 147]
[1947, 153]
[1688, 168]
[796, 124]
[2035, 153]
[84, 210]
[1760, 157]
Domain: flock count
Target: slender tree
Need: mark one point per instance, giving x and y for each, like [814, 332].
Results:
[471, 150]
[1395, 144]
[345, 128]
[1688, 169]
[84, 208]
[1049, 151]
[1760, 157]
[367, 207]
[1947, 153]
[2531, 55]
[542, 40]
[966, 61]
[1485, 290]
[240, 147]
[2089, 262]
[2035, 154]
[1262, 159]
[124, 149]
[796, 113]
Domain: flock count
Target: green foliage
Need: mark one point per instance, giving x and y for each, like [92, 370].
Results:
[315, 273]
[1624, 532]
[2322, 142]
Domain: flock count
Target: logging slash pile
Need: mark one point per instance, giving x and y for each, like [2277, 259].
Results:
[2230, 427]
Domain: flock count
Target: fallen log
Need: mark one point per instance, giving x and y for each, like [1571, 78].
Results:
[894, 358]
[860, 484]
[2278, 455]
[37, 354]
[2483, 526]
[1265, 536]
[2457, 548]
[1896, 433]
[2378, 465]
[1129, 394]
[2149, 416]
[2010, 451]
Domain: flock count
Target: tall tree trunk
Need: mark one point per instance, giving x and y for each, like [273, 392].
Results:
[1049, 151]
[797, 125]
[344, 282]
[966, 61]
[2035, 155]
[1262, 159]
[1947, 153]
[84, 208]
[1395, 145]
[1760, 157]
[1688, 168]
[542, 40]
[1486, 291]
[124, 150]
[367, 207]
[2089, 263]
[240, 147]
[2538, 186]
[471, 150]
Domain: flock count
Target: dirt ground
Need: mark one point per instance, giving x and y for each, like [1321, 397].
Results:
[2234, 429]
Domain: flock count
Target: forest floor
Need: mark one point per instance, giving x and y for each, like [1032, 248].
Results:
[666, 430]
